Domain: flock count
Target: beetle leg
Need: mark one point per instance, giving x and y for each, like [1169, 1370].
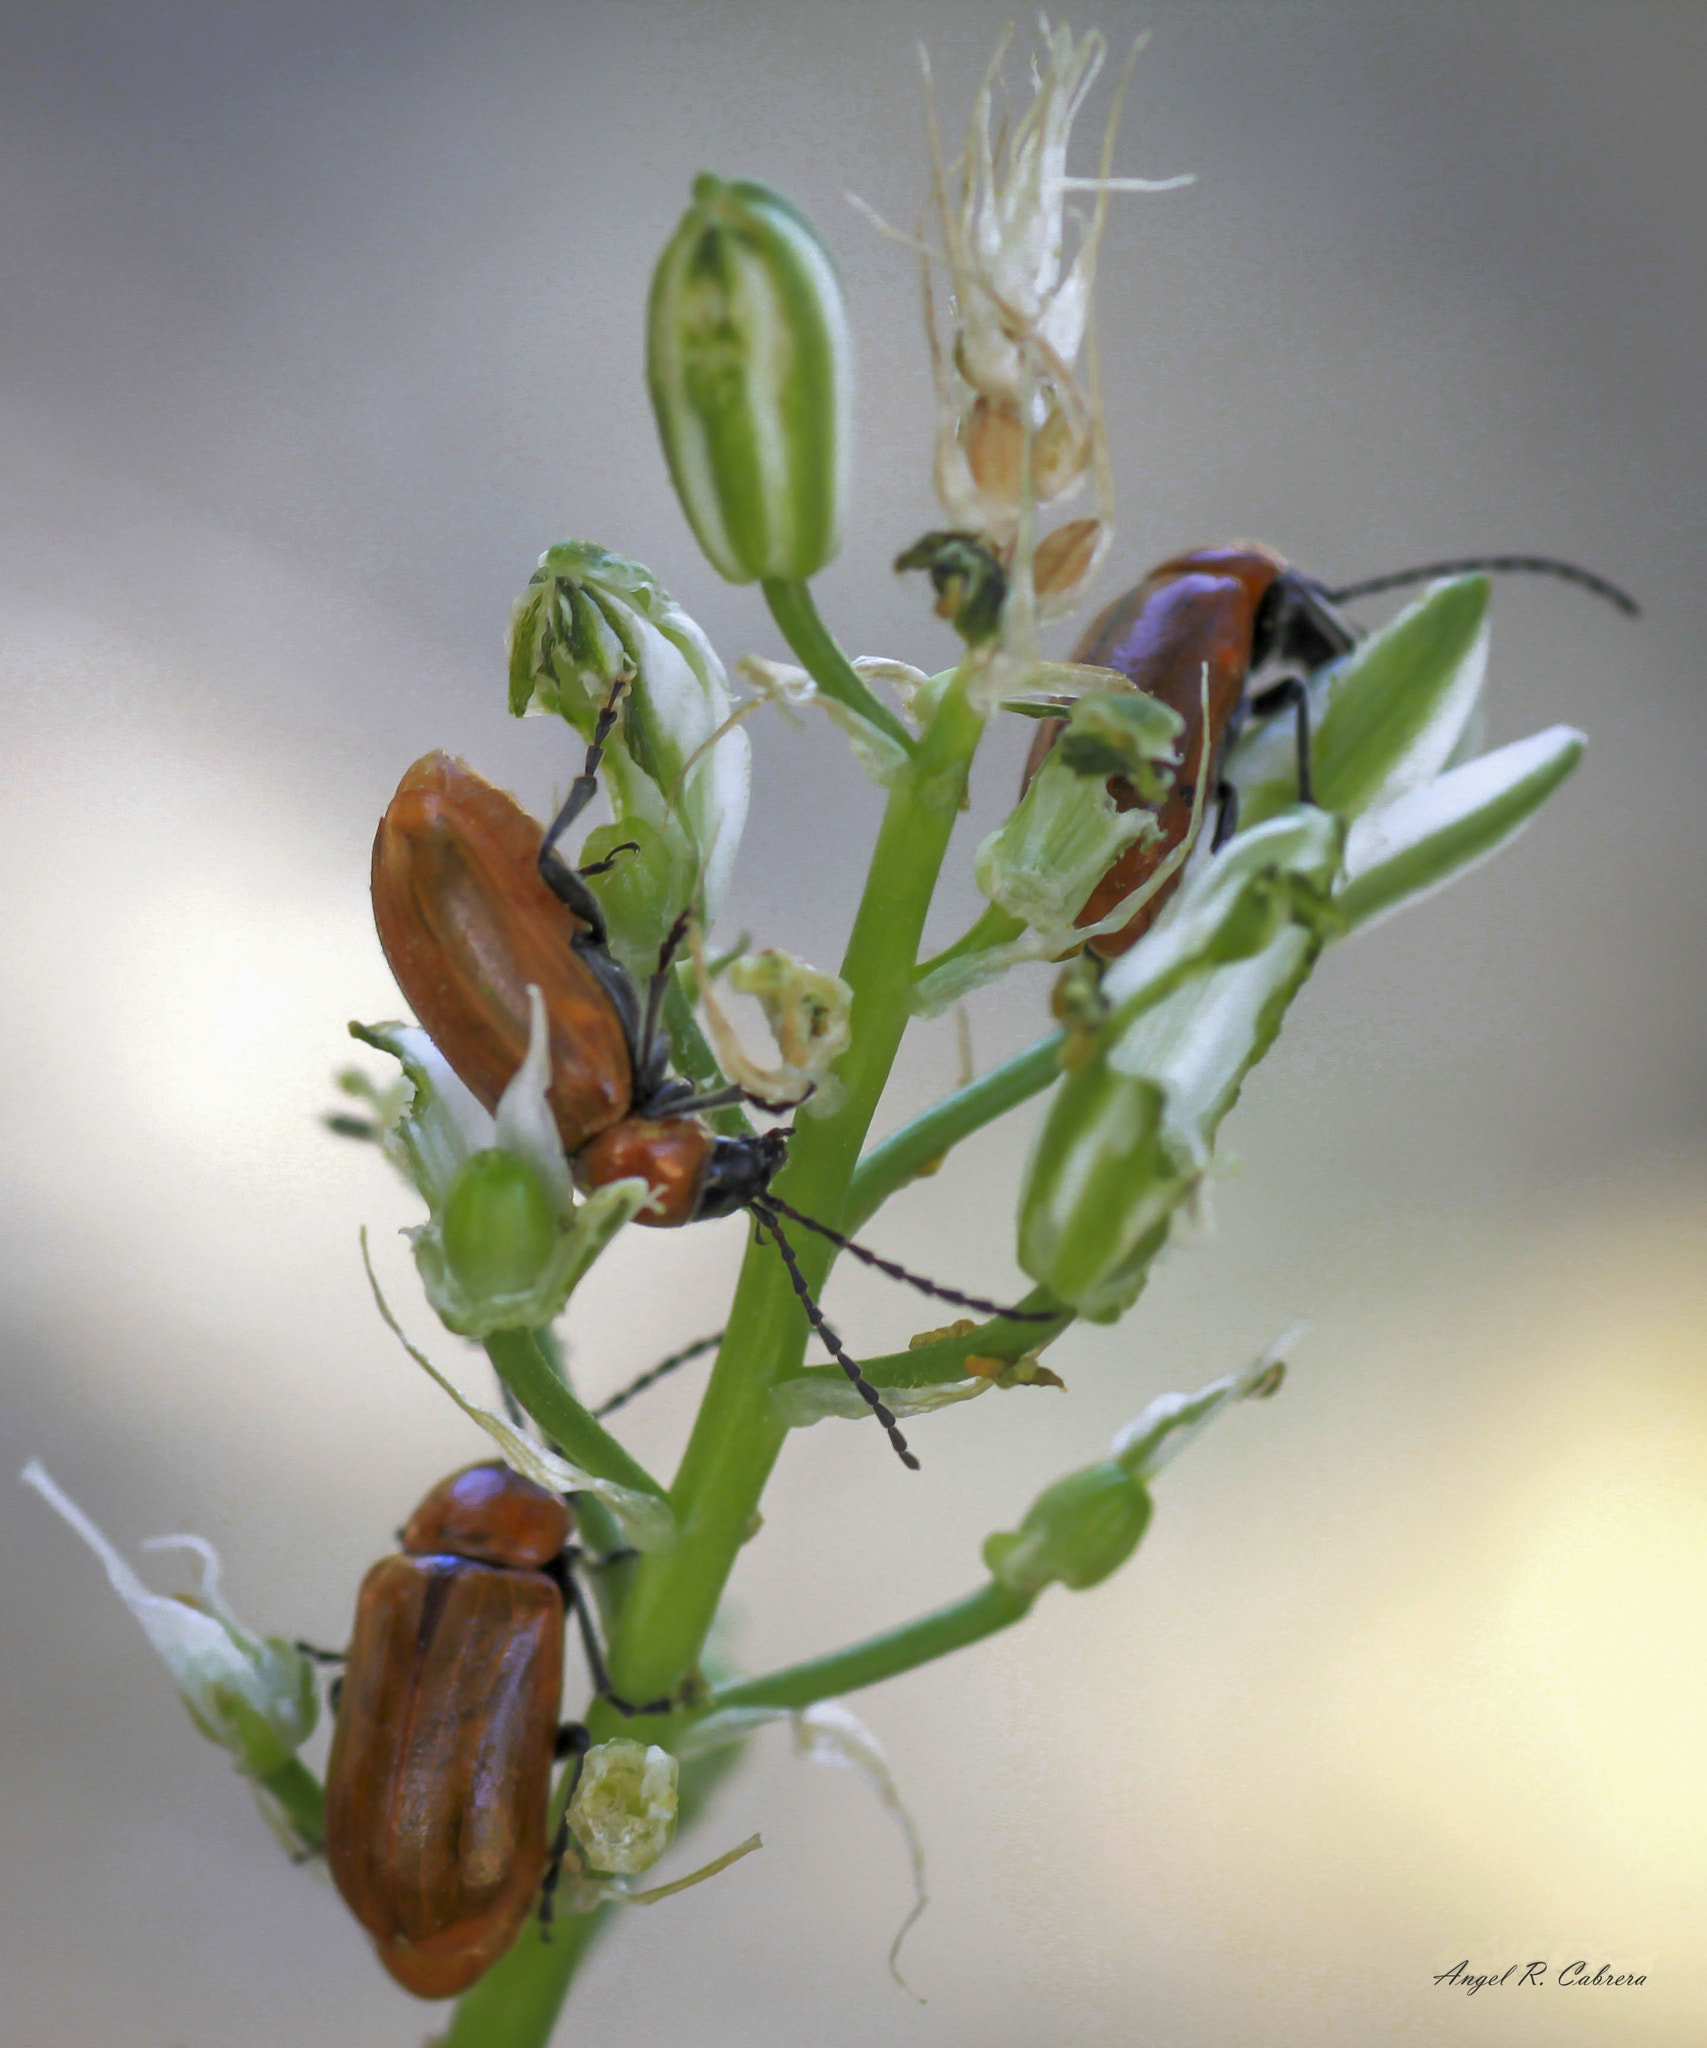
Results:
[654, 1054]
[1290, 690]
[318, 1655]
[572, 1740]
[558, 876]
[1226, 815]
[603, 867]
[595, 1658]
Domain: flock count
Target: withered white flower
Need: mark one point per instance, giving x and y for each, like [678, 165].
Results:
[1019, 424]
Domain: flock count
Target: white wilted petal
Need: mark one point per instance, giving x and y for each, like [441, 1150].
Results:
[804, 1400]
[1154, 1439]
[830, 1733]
[524, 1123]
[255, 1697]
[808, 1012]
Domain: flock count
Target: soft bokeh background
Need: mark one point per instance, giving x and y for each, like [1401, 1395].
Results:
[320, 322]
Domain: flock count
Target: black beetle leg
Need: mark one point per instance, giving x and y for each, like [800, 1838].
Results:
[561, 879]
[1226, 815]
[572, 1740]
[1290, 690]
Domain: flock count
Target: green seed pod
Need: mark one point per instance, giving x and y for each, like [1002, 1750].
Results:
[1075, 1532]
[497, 1229]
[749, 364]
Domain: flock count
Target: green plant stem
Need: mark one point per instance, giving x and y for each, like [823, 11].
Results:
[516, 2004]
[672, 1596]
[795, 613]
[918, 1147]
[737, 1436]
[298, 1792]
[522, 1365]
[933, 1635]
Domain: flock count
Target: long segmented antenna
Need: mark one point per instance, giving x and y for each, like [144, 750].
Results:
[770, 1224]
[697, 1349]
[1499, 565]
[899, 1272]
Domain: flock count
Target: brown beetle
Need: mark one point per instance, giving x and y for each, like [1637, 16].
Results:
[473, 905]
[1233, 610]
[440, 1774]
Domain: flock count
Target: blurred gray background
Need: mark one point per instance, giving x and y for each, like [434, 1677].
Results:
[319, 323]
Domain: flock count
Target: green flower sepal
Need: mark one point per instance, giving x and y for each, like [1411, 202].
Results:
[505, 1242]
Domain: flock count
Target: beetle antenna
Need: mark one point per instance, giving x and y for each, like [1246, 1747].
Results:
[769, 1224]
[696, 1349]
[1498, 565]
[898, 1272]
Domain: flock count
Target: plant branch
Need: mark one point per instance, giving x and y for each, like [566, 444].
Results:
[523, 1367]
[918, 1147]
[795, 613]
[933, 1635]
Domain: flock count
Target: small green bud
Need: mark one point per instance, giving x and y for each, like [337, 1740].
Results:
[624, 1809]
[1075, 1532]
[970, 583]
[498, 1230]
[749, 364]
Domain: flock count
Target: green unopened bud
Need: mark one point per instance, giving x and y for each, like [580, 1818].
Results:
[749, 364]
[677, 772]
[1188, 1011]
[1075, 1532]
[498, 1230]
[624, 1809]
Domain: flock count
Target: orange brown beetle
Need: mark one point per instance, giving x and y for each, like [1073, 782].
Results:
[447, 1728]
[1222, 614]
[473, 905]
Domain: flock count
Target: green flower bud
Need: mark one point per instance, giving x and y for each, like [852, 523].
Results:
[505, 1242]
[497, 1230]
[749, 364]
[1191, 1009]
[624, 1809]
[676, 771]
[1075, 1532]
